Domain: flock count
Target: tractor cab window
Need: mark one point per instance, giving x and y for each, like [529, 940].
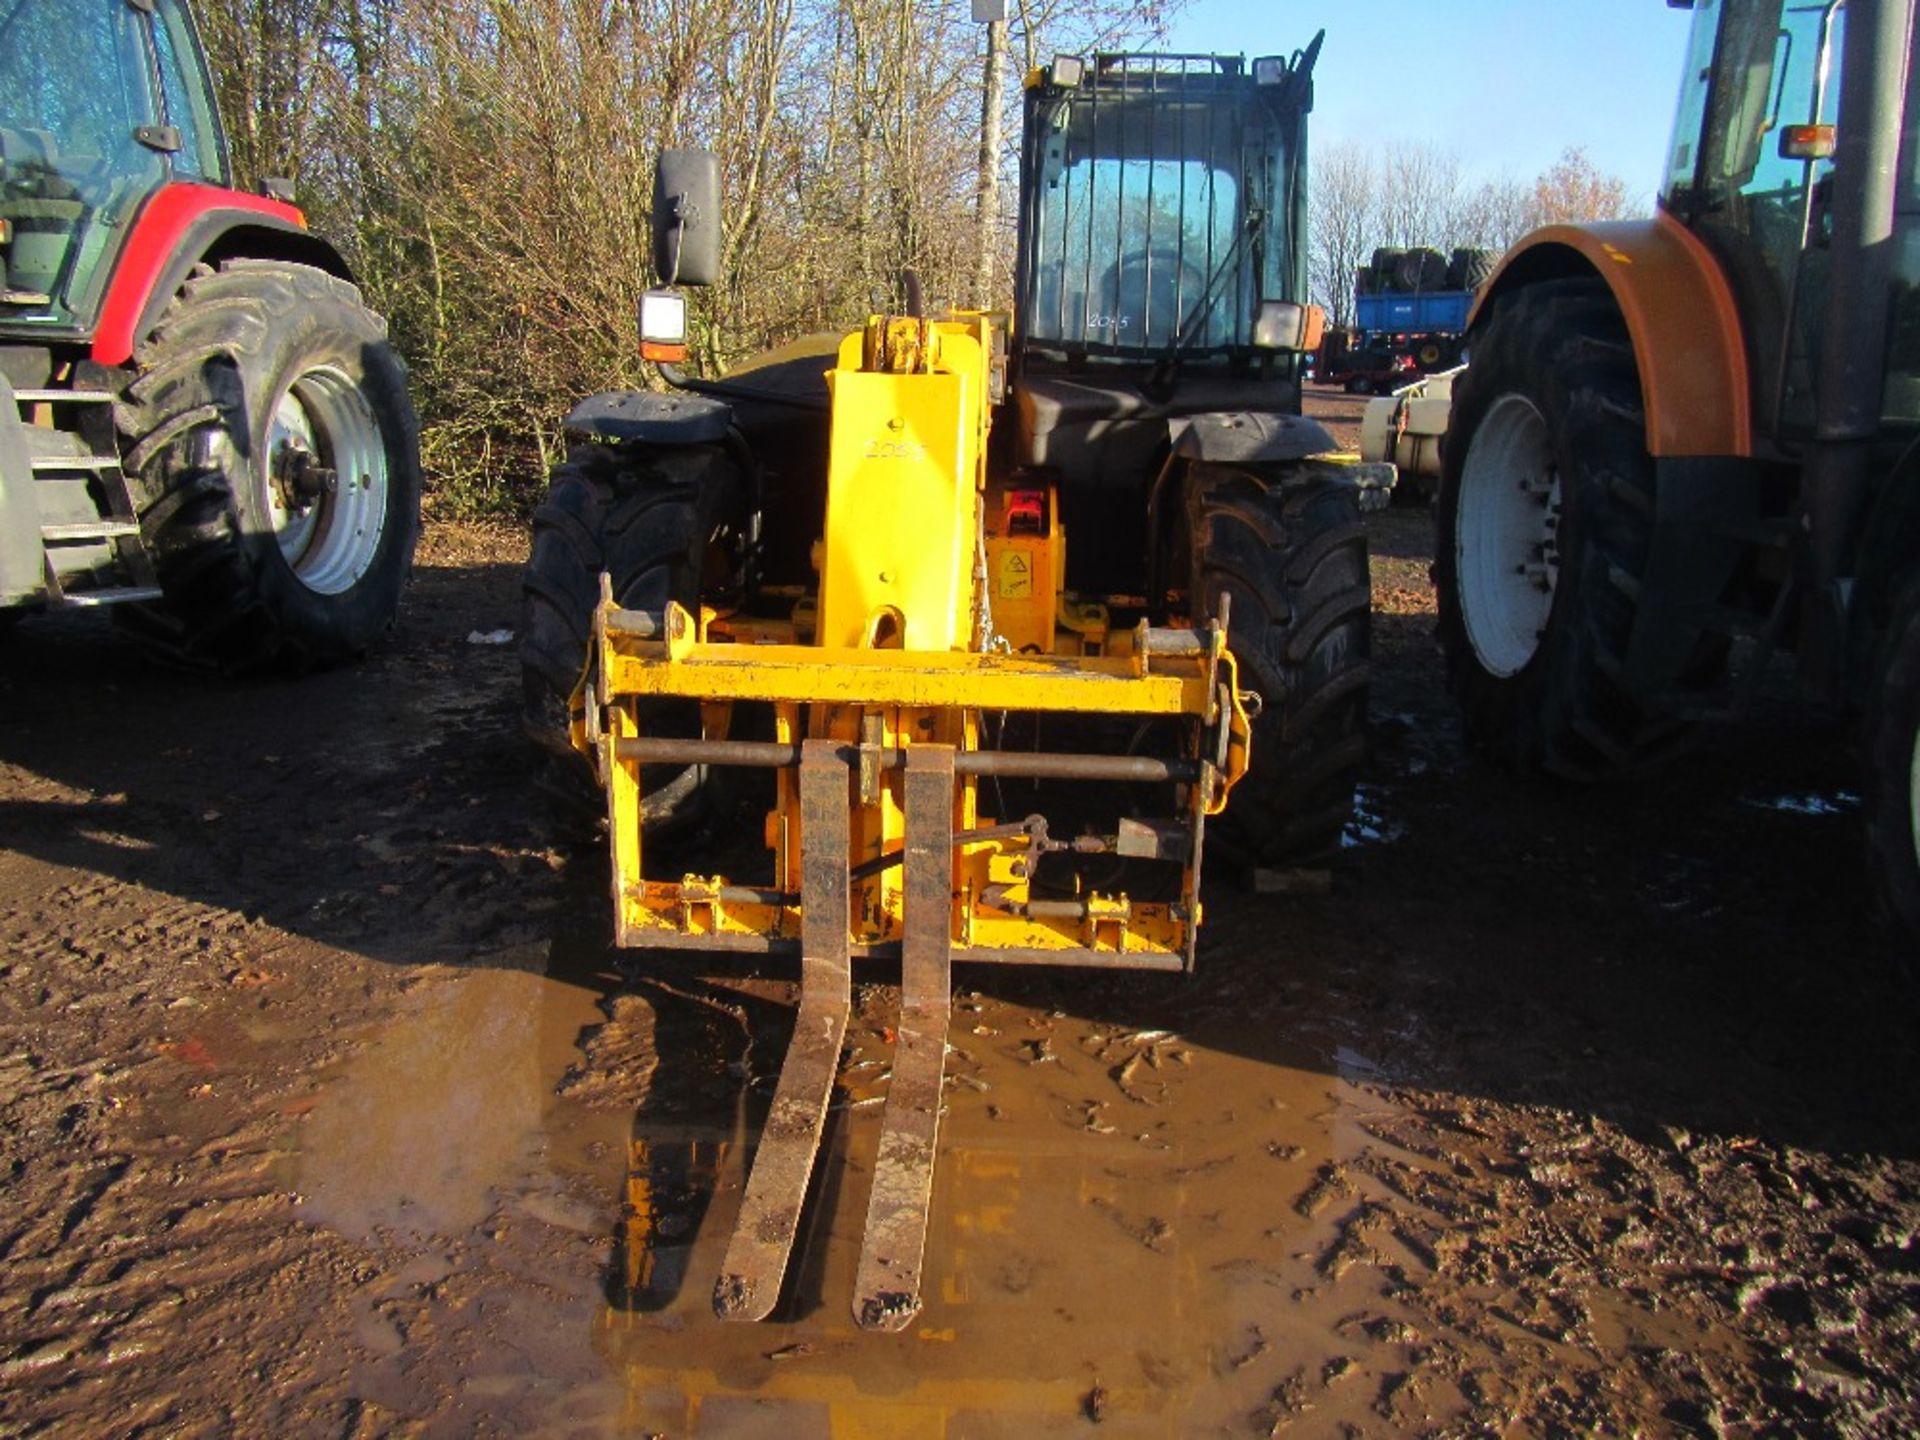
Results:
[1779, 67]
[186, 86]
[75, 85]
[1153, 219]
[1136, 242]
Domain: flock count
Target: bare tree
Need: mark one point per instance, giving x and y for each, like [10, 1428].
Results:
[488, 164]
[268, 53]
[1412, 195]
[1343, 201]
[1419, 192]
[993, 108]
[1494, 214]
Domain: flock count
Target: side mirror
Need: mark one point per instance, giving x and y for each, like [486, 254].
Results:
[686, 217]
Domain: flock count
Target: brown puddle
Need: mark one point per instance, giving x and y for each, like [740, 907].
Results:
[1127, 1225]
[446, 1111]
[1114, 1236]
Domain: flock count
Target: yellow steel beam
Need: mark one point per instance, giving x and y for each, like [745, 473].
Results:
[903, 486]
[928, 679]
[653, 915]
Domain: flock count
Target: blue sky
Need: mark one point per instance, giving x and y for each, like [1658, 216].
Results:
[1506, 84]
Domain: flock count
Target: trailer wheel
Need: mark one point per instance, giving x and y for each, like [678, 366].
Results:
[658, 523]
[1892, 755]
[1545, 519]
[274, 457]
[1288, 546]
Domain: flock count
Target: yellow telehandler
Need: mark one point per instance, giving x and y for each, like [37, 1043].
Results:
[853, 572]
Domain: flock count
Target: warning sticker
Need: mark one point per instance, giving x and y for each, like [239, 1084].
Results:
[1015, 578]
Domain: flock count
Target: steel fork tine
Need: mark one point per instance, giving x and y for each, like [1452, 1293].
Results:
[887, 1286]
[756, 1260]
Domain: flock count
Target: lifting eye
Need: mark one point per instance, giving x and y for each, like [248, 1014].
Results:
[887, 630]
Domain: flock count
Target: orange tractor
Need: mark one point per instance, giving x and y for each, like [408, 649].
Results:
[1689, 441]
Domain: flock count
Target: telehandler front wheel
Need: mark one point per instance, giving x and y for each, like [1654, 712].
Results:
[661, 523]
[1288, 546]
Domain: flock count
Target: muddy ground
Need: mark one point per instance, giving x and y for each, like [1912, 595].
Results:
[325, 1110]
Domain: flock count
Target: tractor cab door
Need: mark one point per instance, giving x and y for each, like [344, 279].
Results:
[1755, 68]
[101, 102]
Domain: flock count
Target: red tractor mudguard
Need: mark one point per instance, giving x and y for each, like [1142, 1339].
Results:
[182, 225]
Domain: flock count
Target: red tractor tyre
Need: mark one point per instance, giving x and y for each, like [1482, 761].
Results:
[273, 455]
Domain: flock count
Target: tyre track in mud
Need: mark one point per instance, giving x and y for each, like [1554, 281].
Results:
[208, 895]
[1558, 1112]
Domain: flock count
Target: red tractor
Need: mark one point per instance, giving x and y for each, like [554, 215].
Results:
[200, 420]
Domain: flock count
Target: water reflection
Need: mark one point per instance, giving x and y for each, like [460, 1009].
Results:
[670, 1183]
[443, 1110]
[1147, 1271]
[1118, 1227]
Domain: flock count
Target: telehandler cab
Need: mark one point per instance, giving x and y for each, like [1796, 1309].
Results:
[859, 577]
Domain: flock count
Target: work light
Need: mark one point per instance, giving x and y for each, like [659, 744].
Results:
[1282, 325]
[663, 326]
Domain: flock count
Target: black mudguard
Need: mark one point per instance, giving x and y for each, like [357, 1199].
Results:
[1248, 437]
[625, 416]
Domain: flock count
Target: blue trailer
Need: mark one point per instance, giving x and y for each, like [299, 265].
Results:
[1435, 312]
[1410, 318]
[1426, 326]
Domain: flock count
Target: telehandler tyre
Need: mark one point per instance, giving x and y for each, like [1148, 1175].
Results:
[1290, 549]
[1545, 520]
[274, 457]
[659, 523]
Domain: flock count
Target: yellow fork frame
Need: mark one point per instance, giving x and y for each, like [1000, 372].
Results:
[877, 704]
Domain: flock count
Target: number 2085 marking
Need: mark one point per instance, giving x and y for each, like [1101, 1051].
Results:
[895, 450]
